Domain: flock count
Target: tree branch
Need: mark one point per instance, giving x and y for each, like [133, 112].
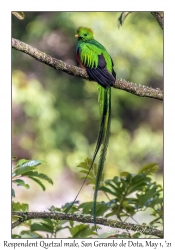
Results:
[159, 17]
[85, 219]
[130, 87]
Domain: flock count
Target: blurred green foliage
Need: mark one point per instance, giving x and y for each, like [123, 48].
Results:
[25, 169]
[128, 195]
[55, 117]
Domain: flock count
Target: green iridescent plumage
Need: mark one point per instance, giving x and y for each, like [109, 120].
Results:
[95, 59]
[90, 49]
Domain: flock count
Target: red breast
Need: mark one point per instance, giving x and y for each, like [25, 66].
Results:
[79, 60]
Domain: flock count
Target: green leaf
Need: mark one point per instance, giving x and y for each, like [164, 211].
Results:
[54, 209]
[13, 193]
[71, 223]
[67, 206]
[136, 235]
[85, 164]
[20, 162]
[149, 168]
[38, 175]
[16, 236]
[145, 199]
[116, 186]
[87, 207]
[16, 206]
[20, 182]
[42, 227]
[20, 15]
[30, 163]
[38, 182]
[28, 234]
[101, 208]
[34, 163]
[22, 170]
[107, 190]
[82, 231]
[123, 17]
[128, 208]
[85, 172]
[156, 201]
[16, 217]
[124, 174]
[85, 169]
[48, 225]
[91, 180]
[23, 166]
[47, 222]
[138, 183]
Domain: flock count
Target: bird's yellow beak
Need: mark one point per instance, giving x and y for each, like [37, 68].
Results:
[76, 35]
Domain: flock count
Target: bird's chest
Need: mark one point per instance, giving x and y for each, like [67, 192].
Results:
[87, 56]
[79, 59]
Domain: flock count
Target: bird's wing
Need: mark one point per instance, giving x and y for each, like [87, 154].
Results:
[92, 58]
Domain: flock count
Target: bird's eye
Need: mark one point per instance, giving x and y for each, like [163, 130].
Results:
[85, 34]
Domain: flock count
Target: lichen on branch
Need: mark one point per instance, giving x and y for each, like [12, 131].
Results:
[24, 216]
[139, 90]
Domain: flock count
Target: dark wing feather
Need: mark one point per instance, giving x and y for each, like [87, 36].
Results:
[101, 62]
[113, 72]
[101, 74]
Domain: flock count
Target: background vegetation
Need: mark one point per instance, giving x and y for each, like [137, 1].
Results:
[55, 116]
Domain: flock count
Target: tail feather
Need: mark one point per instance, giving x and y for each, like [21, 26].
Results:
[103, 101]
[105, 130]
[102, 143]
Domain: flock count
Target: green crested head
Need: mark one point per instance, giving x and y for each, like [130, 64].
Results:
[84, 34]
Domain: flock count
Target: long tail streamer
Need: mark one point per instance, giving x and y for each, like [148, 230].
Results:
[104, 98]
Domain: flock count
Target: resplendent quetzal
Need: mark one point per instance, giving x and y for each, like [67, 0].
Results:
[95, 59]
